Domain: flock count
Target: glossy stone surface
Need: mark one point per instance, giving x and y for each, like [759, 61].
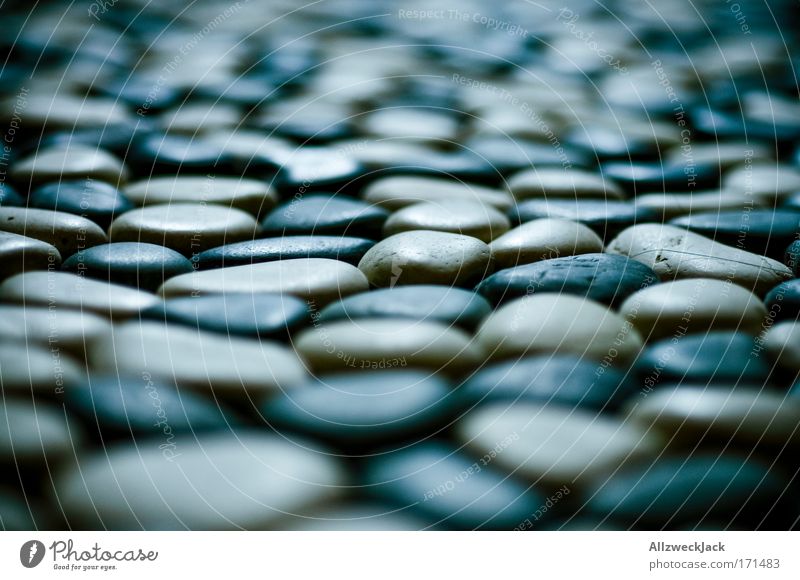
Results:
[95, 200]
[68, 233]
[397, 192]
[325, 215]
[20, 253]
[458, 217]
[544, 239]
[554, 183]
[73, 162]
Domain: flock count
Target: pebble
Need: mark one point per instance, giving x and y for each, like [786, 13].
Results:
[65, 290]
[645, 177]
[782, 343]
[241, 314]
[317, 169]
[144, 266]
[673, 205]
[250, 195]
[94, 200]
[558, 323]
[20, 253]
[326, 215]
[554, 183]
[692, 306]
[318, 280]
[240, 367]
[675, 253]
[553, 446]
[425, 257]
[167, 154]
[397, 192]
[559, 380]
[188, 228]
[39, 326]
[32, 369]
[783, 301]
[458, 217]
[241, 481]
[387, 343]
[67, 232]
[768, 181]
[602, 277]
[33, 435]
[69, 163]
[544, 239]
[444, 304]
[445, 484]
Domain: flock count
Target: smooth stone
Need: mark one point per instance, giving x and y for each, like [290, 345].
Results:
[673, 490]
[250, 195]
[363, 409]
[783, 301]
[35, 434]
[45, 327]
[59, 163]
[606, 218]
[315, 169]
[317, 280]
[30, 368]
[227, 481]
[65, 290]
[345, 249]
[325, 215]
[562, 380]
[68, 233]
[765, 232]
[94, 200]
[425, 257]
[171, 154]
[724, 154]
[254, 315]
[118, 406]
[693, 306]
[188, 228]
[544, 239]
[675, 253]
[647, 177]
[507, 154]
[445, 304]
[467, 218]
[551, 445]
[782, 343]
[554, 183]
[770, 181]
[360, 517]
[603, 277]
[399, 191]
[673, 205]
[447, 485]
[722, 358]
[690, 412]
[792, 257]
[413, 124]
[557, 324]
[20, 253]
[144, 266]
[227, 366]
[9, 196]
[371, 343]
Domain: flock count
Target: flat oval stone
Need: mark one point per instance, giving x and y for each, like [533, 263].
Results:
[325, 215]
[364, 409]
[674, 253]
[688, 413]
[58, 163]
[765, 232]
[171, 154]
[606, 218]
[645, 177]
[188, 228]
[71, 329]
[349, 250]
[553, 183]
[561, 380]
[723, 358]
[445, 484]
[458, 217]
[692, 306]
[65, 290]
[507, 154]
[424, 257]
[554, 445]
[770, 181]
[250, 195]
[445, 304]
[783, 301]
[35, 434]
[33, 369]
[402, 190]
[385, 344]
[316, 169]
[255, 315]
[140, 265]
[224, 481]
[20, 253]
[672, 205]
[782, 343]
[117, 406]
[239, 367]
[68, 233]
[94, 200]
[671, 491]
[558, 323]
[544, 239]
[602, 277]
[318, 280]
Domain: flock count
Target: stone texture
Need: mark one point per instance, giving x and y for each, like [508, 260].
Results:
[68, 233]
[20, 253]
[544, 239]
[457, 217]
[553, 183]
[73, 162]
[400, 191]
